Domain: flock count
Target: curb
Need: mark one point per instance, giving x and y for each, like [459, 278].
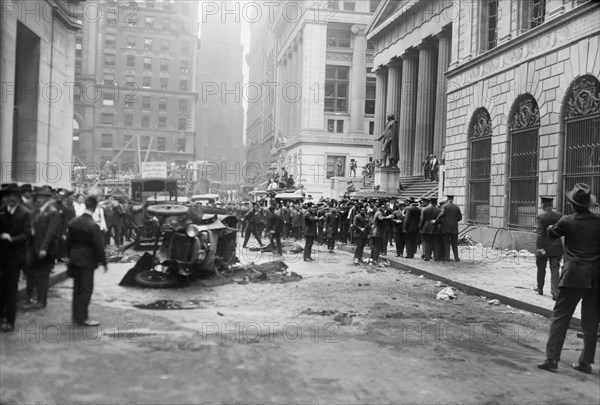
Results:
[470, 290]
[54, 279]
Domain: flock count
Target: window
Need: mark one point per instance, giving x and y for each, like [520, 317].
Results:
[182, 123]
[146, 102]
[185, 47]
[131, 61]
[129, 104]
[150, 3]
[77, 67]
[370, 95]
[183, 85]
[164, 83]
[129, 81]
[480, 135]
[128, 120]
[183, 105]
[164, 45]
[181, 145]
[349, 5]
[126, 139]
[524, 124]
[533, 13]
[108, 98]
[111, 17]
[335, 126]
[162, 143]
[166, 24]
[78, 48]
[184, 66]
[109, 79]
[148, 44]
[338, 38]
[162, 103]
[109, 60]
[336, 88]
[147, 63]
[162, 122]
[107, 141]
[489, 24]
[164, 65]
[371, 127]
[110, 40]
[131, 42]
[145, 121]
[335, 166]
[147, 82]
[107, 118]
[144, 142]
[149, 22]
[370, 45]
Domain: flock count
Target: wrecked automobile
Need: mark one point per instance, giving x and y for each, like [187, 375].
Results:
[193, 243]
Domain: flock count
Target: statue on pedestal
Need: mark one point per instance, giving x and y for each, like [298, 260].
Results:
[389, 149]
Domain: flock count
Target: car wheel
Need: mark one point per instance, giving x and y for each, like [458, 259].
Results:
[156, 279]
[167, 209]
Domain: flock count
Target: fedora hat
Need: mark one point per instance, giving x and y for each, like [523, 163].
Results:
[581, 195]
[43, 191]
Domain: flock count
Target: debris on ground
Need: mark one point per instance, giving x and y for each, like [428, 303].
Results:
[170, 304]
[494, 302]
[122, 254]
[325, 312]
[446, 294]
[343, 318]
[440, 284]
[270, 272]
[286, 247]
[467, 241]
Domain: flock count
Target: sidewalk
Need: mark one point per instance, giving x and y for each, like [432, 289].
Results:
[509, 277]
[59, 273]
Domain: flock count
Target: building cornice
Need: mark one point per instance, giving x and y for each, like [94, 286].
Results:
[64, 14]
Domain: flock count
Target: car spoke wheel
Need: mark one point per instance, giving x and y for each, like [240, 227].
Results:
[156, 279]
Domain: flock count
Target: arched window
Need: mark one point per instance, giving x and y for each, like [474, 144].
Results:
[581, 147]
[524, 126]
[480, 135]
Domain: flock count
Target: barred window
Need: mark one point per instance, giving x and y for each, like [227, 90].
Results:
[480, 135]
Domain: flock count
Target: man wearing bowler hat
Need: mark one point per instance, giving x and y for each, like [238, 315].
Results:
[15, 231]
[85, 245]
[44, 246]
[547, 249]
[579, 281]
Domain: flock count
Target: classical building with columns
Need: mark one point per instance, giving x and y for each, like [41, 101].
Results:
[324, 92]
[37, 61]
[412, 53]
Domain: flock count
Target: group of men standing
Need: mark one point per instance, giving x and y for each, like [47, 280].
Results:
[34, 235]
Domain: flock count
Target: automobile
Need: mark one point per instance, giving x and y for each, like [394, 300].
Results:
[289, 197]
[204, 199]
[192, 244]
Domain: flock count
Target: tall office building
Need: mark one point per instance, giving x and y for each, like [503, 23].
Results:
[135, 70]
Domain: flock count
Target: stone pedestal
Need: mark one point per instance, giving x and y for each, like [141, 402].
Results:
[387, 179]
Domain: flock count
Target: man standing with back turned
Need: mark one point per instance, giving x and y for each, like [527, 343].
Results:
[85, 245]
[547, 249]
[579, 280]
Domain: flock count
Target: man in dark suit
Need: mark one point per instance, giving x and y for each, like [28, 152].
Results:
[85, 244]
[253, 221]
[398, 221]
[430, 230]
[547, 249]
[15, 231]
[411, 227]
[44, 246]
[579, 280]
[332, 223]
[448, 219]
[275, 228]
[310, 233]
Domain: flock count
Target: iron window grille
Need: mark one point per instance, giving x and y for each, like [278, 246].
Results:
[480, 135]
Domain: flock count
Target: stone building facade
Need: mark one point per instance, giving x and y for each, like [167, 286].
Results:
[523, 111]
[37, 60]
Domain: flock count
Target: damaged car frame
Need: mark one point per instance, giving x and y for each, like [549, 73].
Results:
[193, 244]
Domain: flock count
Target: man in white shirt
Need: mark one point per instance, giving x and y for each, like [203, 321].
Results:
[78, 205]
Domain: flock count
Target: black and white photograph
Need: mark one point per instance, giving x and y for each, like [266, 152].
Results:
[319, 202]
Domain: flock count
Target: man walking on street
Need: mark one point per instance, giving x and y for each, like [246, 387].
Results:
[547, 249]
[448, 219]
[15, 231]
[85, 244]
[579, 281]
[253, 220]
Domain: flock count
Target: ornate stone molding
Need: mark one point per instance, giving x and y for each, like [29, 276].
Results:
[340, 56]
[526, 114]
[584, 98]
[481, 124]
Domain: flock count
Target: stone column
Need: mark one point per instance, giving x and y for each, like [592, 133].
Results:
[426, 90]
[358, 81]
[406, 123]
[380, 109]
[439, 134]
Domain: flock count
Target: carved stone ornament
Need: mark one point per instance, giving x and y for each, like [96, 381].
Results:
[481, 124]
[584, 98]
[525, 115]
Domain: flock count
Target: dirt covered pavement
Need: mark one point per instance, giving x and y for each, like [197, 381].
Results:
[337, 334]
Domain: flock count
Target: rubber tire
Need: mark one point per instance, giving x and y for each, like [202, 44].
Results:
[156, 279]
[167, 210]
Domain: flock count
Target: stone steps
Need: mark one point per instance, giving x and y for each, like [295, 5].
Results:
[417, 187]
